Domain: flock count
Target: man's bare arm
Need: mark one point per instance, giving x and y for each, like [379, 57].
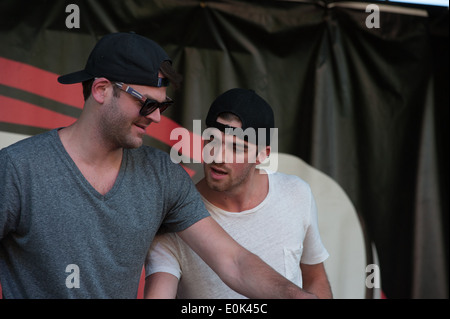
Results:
[161, 285]
[315, 280]
[240, 269]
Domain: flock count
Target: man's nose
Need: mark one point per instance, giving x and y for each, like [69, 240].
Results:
[155, 116]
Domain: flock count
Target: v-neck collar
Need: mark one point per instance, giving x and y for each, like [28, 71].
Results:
[76, 171]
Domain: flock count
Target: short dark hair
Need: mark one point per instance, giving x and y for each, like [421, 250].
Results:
[87, 88]
[228, 116]
[169, 72]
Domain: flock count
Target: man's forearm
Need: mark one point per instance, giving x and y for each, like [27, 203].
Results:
[256, 279]
[241, 270]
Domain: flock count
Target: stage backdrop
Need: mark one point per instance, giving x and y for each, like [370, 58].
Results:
[362, 98]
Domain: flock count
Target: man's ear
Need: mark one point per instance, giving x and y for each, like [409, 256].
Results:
[99, 89]
[262, 155]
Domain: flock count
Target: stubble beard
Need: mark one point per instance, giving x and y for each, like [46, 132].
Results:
[230, 183]
[117, 129]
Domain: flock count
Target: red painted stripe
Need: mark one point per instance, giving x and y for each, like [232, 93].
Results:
[37, 81]
[23, 113]
[44, 83]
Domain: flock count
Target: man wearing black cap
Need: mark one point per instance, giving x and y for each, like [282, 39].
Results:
[80, 205]
[271, 214]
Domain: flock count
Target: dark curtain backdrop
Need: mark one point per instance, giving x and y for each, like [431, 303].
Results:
[368, 107]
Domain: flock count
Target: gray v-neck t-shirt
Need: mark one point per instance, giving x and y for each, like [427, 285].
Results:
[60, 238]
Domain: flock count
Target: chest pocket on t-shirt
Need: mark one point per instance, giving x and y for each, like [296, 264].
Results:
[292, 264]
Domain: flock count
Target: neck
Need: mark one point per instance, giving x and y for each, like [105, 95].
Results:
[99, 165]
[246, 196]
[84, 143]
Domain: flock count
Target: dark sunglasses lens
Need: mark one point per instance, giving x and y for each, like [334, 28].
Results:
[150, 106]
[164, 105]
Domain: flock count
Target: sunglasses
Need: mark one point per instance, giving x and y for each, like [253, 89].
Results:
[148, 105]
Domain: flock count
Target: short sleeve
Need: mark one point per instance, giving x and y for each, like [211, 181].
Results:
[184, 204]
[314, 251]
[164, 256]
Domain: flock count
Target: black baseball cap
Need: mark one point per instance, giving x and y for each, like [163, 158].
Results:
[123, 57]
[253, 111]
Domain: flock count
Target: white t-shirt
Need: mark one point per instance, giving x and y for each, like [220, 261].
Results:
[282, 230]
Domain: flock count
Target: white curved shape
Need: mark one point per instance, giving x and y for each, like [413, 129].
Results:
[339, 226]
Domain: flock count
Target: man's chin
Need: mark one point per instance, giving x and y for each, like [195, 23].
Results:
[134, 143]
[215, 185]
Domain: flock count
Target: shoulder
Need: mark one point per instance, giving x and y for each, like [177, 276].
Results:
[288, 181]
[30, 143]
[28, 148]
[151, 155]
[148, 157]
[285, 186]
[152, 164]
